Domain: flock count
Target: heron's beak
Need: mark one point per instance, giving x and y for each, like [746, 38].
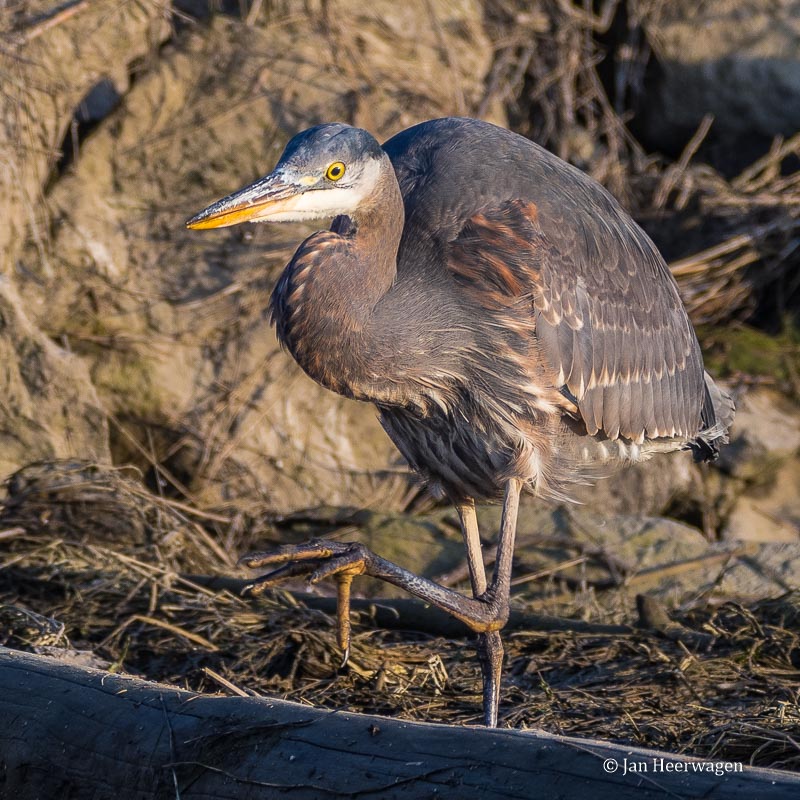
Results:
[269, 196]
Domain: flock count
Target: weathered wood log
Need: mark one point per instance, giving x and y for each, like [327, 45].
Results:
[68, 732]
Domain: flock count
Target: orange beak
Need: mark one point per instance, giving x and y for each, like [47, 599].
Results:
[258, 201]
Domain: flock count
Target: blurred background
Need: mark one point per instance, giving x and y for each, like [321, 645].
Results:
[144, 401]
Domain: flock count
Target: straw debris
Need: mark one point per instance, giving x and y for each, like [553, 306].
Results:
[99, 564]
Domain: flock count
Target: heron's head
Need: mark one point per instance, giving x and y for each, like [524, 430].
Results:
[325, 171]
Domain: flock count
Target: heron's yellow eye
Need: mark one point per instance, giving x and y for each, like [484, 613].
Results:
[335, 171]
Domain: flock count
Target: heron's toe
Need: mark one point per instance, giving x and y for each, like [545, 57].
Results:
[283, 573]
[315, 548]
[351, 562]
[316, 559]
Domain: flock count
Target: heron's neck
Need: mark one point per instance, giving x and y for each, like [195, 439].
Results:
[377, 226]
[325, 302]
[362, 264]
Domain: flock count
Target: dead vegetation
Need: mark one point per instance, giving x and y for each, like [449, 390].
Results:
[90, 561]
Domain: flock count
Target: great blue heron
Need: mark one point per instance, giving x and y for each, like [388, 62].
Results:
[512, 324]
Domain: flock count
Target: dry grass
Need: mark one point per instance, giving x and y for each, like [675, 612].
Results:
[90, 560]
[759, 213]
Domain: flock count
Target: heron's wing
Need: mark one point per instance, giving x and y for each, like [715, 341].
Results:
[605, 309]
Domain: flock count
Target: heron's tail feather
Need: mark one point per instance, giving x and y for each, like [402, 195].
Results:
[716, 419]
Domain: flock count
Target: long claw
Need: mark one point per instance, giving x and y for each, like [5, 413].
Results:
[315, 549]
[344, 581]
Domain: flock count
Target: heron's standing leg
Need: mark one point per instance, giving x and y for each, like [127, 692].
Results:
[489, 645]
[500, 588]
[472, 541]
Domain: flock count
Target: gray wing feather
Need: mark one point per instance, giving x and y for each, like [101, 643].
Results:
[612, 325]
[635, 366]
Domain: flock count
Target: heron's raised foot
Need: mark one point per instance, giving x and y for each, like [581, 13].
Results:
[317, 559]
[322, 558]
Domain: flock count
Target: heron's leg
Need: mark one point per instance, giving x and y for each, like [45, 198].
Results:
[490, 650]
[472, 541]
[322, 558]
[500, 587]
[486, 614]
[489, 645]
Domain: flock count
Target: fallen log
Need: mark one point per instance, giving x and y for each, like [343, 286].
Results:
[75, 732]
